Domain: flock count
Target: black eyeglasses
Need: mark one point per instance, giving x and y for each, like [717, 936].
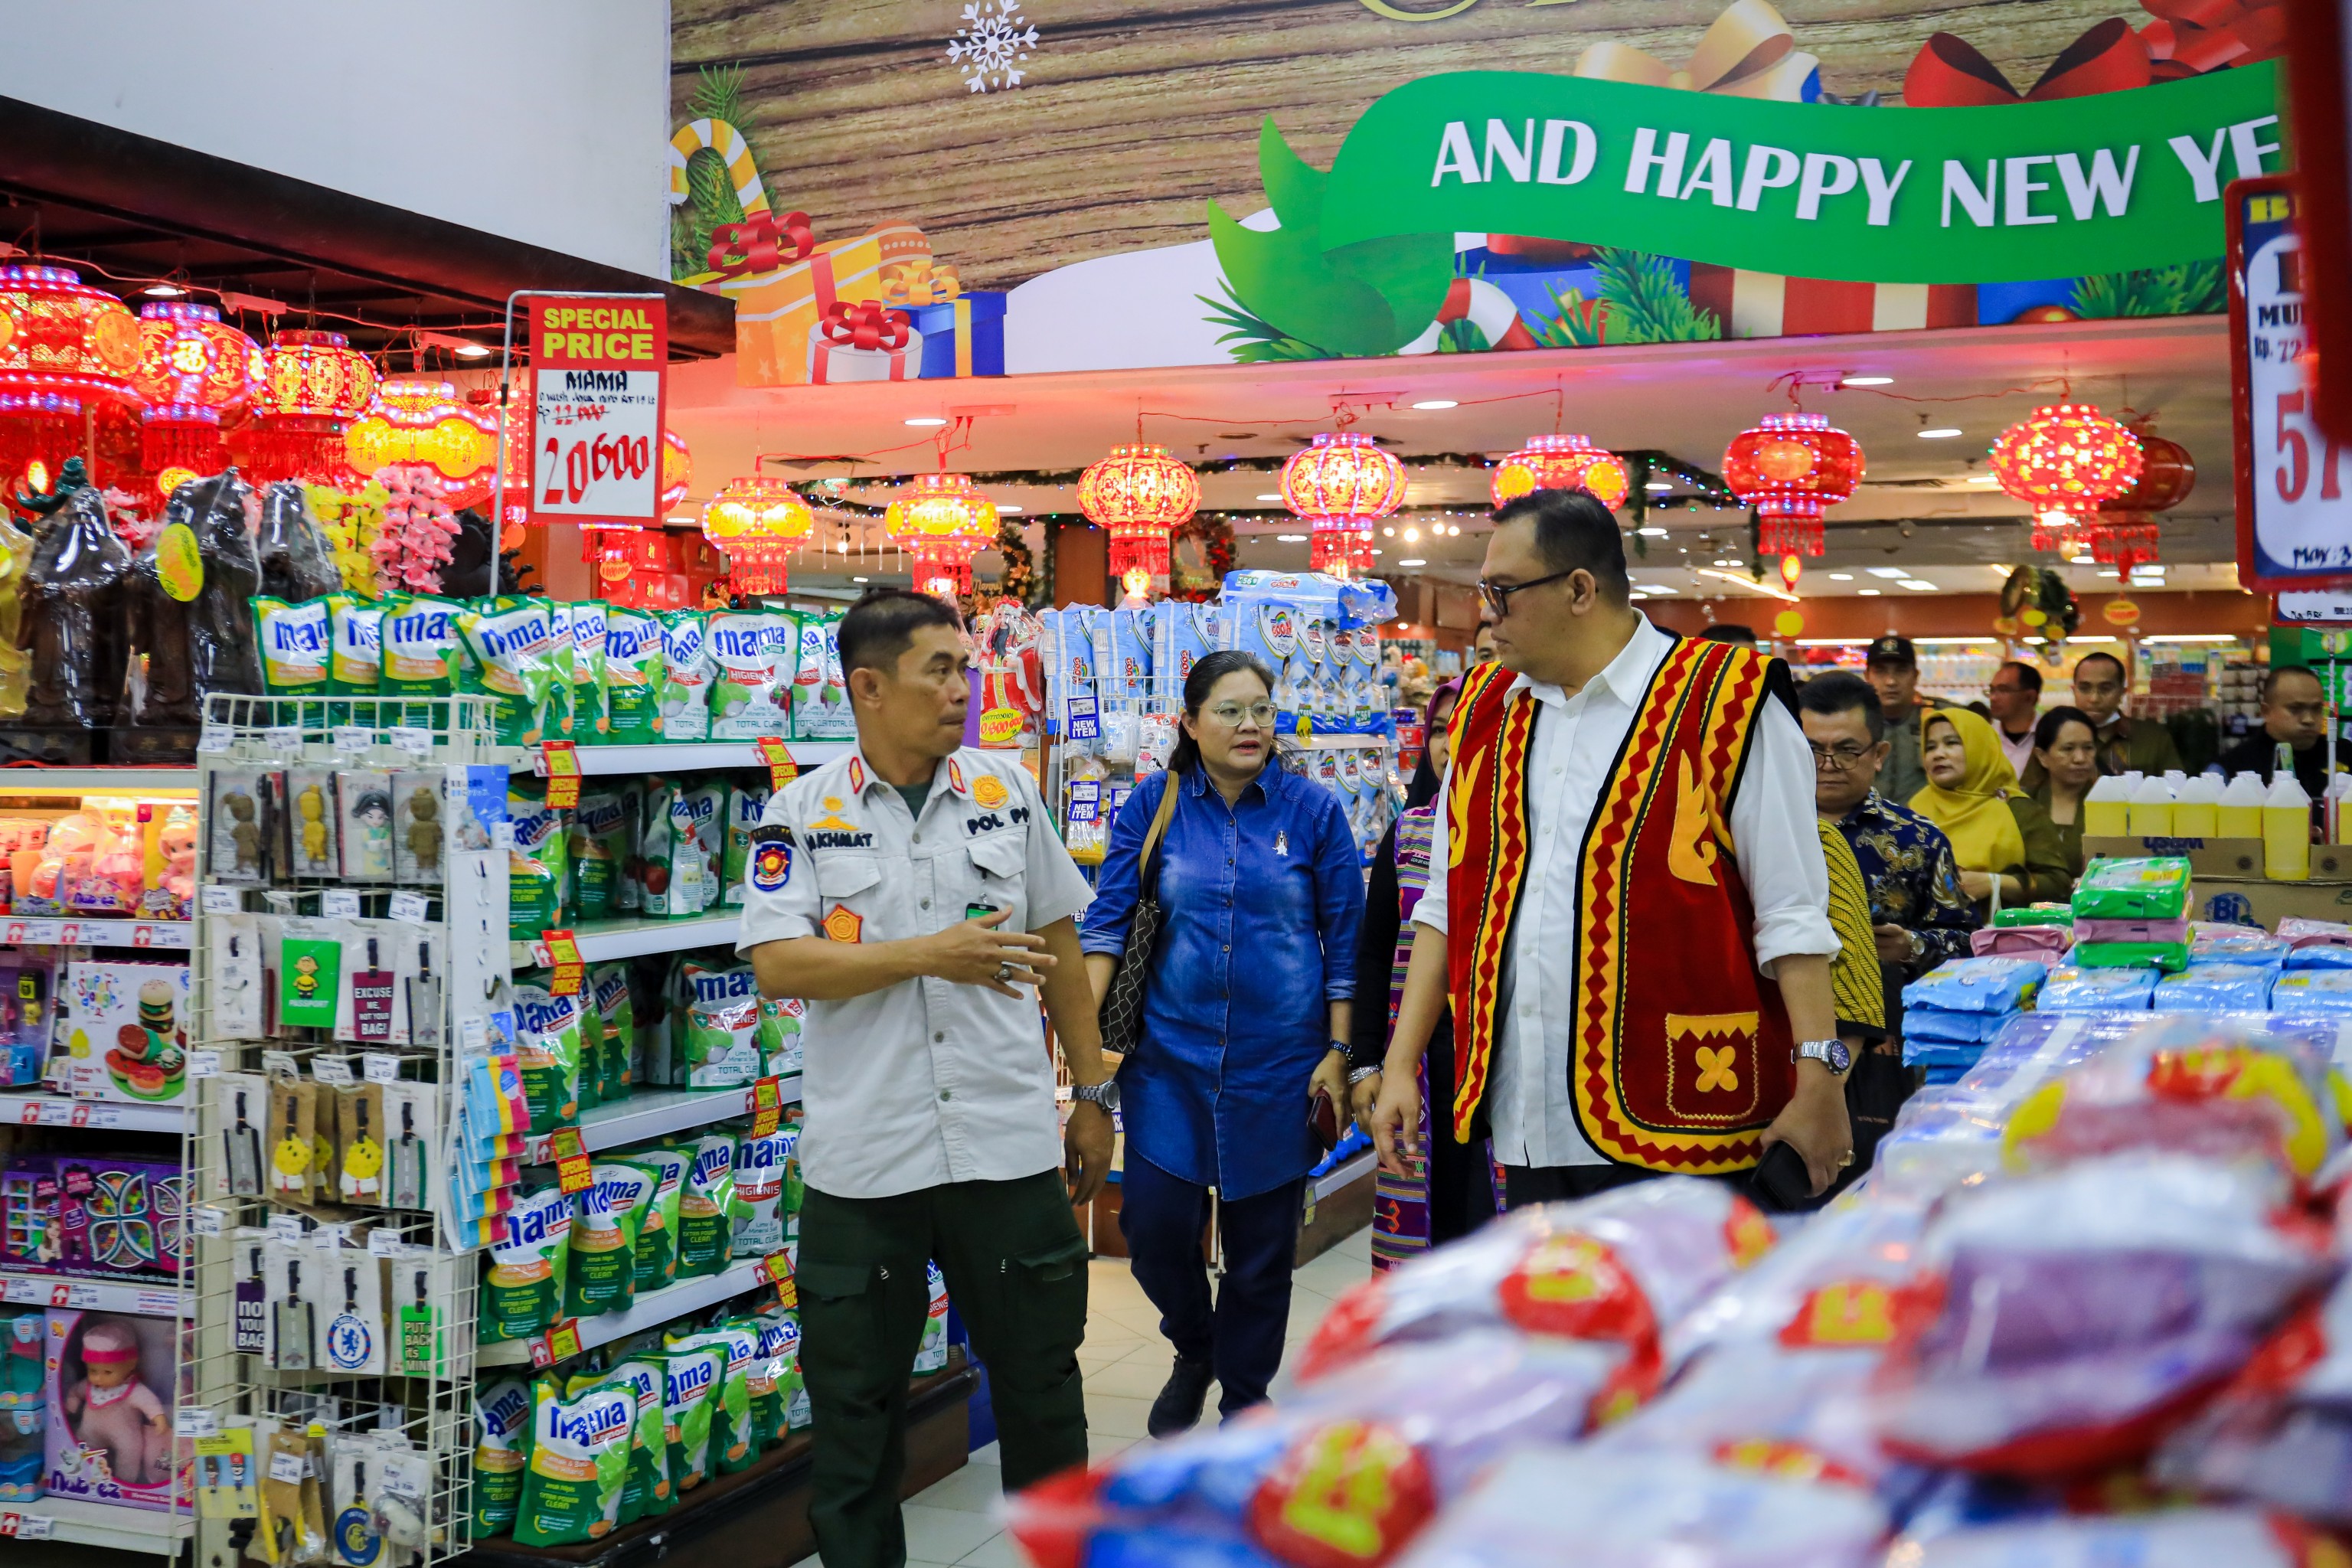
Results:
[1497, 597]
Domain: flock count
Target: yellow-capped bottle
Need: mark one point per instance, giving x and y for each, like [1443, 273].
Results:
[2196, 807]
[2151, 808]
[2106, 810]
[2242, 806]
[2287, 825]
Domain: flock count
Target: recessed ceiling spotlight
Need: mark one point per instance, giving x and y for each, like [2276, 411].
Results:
[1651, 532]
[1984, 480]
[1866, 381]
[1869, 594]
[1413, 536]
[1414, 561]
[1004, 507]
[474, 351]
[2084, 560]
[1659, 484]
[161, 290]
[859, 579]
[1841, 576]
[1270, 497]
[1939, 433]
[1889, 571]
[1290, 538]
[1922, 587]
[926, 419]
[1431, 404]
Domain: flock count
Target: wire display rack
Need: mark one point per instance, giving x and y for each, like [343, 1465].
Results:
[414, 1256]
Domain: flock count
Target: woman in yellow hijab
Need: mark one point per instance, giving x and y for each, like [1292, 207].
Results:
[1999, 835]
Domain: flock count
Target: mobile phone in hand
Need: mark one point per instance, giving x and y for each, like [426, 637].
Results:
[1779, 1182]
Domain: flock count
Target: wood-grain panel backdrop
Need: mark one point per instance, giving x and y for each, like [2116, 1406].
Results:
[1131, 116]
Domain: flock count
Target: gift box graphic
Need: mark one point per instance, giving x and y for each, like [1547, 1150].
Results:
[861, 342]
[1767, 305]
[776, 312]
[963, 336]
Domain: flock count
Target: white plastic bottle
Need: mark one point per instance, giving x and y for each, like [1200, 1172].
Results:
[2196, 807]
[2242, 806]
[2339, 791]
[2286, 830]
[2151, 809]
[2106, 810]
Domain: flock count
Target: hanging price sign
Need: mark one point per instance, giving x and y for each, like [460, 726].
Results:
[782, 769]
[597, 394]
[2294, 481]
[766, 1103]
[563, 760]
[572, 1171]
[564, 958]
[778, 1268]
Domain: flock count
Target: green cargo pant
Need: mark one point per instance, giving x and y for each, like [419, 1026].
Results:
[1016, 1269]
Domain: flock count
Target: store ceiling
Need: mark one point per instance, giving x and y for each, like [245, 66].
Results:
[1919, 507]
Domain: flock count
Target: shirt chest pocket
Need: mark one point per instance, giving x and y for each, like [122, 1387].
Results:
[849, 890]
[996, 868]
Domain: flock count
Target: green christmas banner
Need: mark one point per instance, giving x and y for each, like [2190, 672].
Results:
[2110, 183]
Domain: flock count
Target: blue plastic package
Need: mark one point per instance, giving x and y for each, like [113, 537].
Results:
[1178, 642]
[2215, 988]
[2078, 990]
[2210, 944]
[2320, 957]
[1350, 602]
[2001, 984]
[1939, 1027]
[2313, 992]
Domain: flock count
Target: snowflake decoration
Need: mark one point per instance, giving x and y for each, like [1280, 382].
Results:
[990, 44]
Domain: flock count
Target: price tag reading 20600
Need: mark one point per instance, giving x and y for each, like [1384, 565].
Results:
[596, 408]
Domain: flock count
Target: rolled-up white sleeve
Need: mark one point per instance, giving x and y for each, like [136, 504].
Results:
[1430, 911]
[789, 911]
[1777, 846]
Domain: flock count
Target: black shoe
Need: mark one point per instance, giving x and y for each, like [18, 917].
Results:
[1177, 1408]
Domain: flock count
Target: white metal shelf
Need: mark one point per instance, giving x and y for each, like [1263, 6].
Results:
[649, 1311]
[684, 756]
[84, 781]
[95, 1524]
[112, 1115]
[157, 1298]
[634, 939]
[649, 1115]
[20, 930]
[1337, 743]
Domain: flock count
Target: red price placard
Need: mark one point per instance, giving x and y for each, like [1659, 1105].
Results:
[572, 1171]
[597, 401]
[782, 769]
[568, 968]
[778, 1268]
[563, 760]
[766, 1103]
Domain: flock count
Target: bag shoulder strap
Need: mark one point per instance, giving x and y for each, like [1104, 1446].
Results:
[1149, 879]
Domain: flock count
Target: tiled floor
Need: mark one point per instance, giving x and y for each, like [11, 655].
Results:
[1125, 1361]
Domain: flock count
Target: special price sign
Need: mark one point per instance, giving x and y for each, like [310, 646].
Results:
[2294, 483]
[597, 400]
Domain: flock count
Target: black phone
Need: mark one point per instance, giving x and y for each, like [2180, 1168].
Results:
[1779, 1182]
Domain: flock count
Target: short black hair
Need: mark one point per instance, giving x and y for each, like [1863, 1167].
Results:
[2045, 730]
[2271, 678]
[1731, 632]
[1574, 533]
[1842, 691]
[2027, 675]
[2121, 673]
[882, 625]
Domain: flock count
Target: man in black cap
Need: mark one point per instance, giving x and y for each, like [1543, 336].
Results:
[1893, 666]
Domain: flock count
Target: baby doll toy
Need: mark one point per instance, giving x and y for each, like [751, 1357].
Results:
[114, 1416]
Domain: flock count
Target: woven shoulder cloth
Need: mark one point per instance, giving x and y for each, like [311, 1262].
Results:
[1122, 1006]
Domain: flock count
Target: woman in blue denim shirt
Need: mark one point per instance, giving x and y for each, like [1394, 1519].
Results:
[1245, 1014]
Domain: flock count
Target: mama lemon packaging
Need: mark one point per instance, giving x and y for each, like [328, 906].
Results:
[421, 646]
[538, 876]
[688, 672]
[511, 644]
[755, 652]
[676, 871]
[655, 1256]
[633, 677]
[523, 1290]
[600, 850]
[548, 1049]
[690, 1385]
[746, 804]
[501, 1452]
[602, 1275]
[721, 1045]
[706, 1210]
[579, 1465]
[294, 642]
[590, 717]
[733, 1442]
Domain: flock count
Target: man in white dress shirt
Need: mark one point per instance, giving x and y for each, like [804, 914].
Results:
[1644, 936]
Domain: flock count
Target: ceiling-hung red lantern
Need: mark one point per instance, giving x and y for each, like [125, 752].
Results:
[1563, 463]
[2124, 531]
[1142, 496]
[2066, 459]
[756, 523]
[943, 522]
[451, 445]
[1789, 468]
[67, 351]
[1342, 484]
[195, 371]
[313, 384]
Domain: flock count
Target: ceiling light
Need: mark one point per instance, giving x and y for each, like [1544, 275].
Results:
[1002, 507]
[1455, 529]
[1984, 479]
[1841, 576]
[1290, 538]
[2084, 560]
[1651, 532]
[1636, 596]
[1939, 433]
[1659, 484]
[1727, 561]
[1889, 571]
[473, 351]
[161, 290]
[1274, 497]
[1922, 587]
[1388, 533]
[1869, 594]
[926, 419]
[859, 579]
[1867, 381]
[1415, 561]
[1413, 536]
[1434, 404]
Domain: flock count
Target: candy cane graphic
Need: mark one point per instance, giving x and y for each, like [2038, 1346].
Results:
[1484, 306]
[728, 142]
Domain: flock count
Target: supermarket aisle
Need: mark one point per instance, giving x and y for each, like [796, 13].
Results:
[1125, 1361]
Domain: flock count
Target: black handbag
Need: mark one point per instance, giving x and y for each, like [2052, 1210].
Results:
[1121, 1013]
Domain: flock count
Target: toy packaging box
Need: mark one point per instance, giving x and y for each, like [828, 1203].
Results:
[123, 1031]
[109, 1409]
[99, 1216]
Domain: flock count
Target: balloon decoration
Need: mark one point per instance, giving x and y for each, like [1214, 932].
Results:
[313, 384]
[943, 522]
[2063, 460]
[195, 371]
[1789, 468]
[1341, 485]
[67, 351]
[1142, 496]
[1563, 463]
[756, 523]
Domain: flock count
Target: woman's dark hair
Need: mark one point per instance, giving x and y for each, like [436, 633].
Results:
[1423, 788]
[2046, 728]
[1211, 668]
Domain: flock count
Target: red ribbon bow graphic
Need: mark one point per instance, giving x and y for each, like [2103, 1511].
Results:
[761, 243]
[2188, 37]
[864, 325]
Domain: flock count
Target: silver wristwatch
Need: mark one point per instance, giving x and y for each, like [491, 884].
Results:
[1104, 1094]
[1832, 1054]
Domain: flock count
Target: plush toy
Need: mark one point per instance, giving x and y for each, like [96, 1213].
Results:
[112, 1415]
[424, 830]
[177, 841]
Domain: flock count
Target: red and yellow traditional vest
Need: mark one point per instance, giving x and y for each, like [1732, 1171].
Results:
[1682, 1048]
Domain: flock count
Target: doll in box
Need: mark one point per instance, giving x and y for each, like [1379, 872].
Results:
[111, 1428]
[172, 895]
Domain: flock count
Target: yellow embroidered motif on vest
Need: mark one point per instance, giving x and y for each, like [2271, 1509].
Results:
[1691, 853]
[1465, 791]
[1704, 1082]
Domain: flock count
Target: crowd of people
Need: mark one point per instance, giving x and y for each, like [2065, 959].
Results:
[1650, 908]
